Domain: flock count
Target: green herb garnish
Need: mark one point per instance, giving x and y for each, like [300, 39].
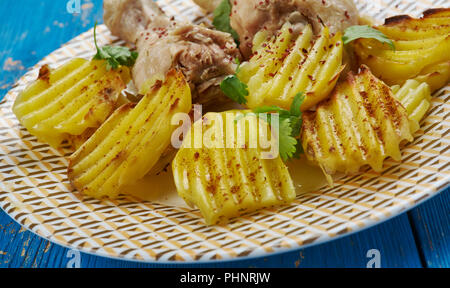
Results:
[364, 31]
[290, 123]
[234, 88]
[221, 19]
[114, 55]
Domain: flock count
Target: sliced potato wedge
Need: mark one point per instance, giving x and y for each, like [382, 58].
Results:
[416, 98]
[286, 65]
[129, 144]
[361, 124]
[421, 50]
[227, 182]
[69, 100]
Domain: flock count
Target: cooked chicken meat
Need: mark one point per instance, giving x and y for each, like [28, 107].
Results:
[250, 16]
[204, 56]
[127, 18]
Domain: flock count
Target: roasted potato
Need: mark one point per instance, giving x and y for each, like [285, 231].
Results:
[129, 144]
[76, 141]
[69, 100]
[285, 65]
[416, 98]
[208, 5]
[361, 124]
[227, 182]
[421, 50]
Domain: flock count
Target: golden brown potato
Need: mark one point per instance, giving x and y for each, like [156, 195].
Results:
[227, 182]
[416, 98]
[76, 141]
[284, 66]
[361, 124]
[68, 101]
[421, 50]
[129, 144]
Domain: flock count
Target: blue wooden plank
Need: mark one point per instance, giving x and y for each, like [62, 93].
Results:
[43, 27]
[394, 240]
[431, 222]
[31, 29]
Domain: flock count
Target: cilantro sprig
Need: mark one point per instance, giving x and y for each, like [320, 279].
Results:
[114, 55]
[290, 124]
[364, 31]
[234, 88]
[221, 19]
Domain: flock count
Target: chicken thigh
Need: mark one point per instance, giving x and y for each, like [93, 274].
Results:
[204, 56]
[251, 16]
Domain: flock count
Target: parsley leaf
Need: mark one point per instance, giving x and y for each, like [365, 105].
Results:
[290, 124]
[271, 109]
[297, 104]
[296, 114]
[299, 150]
[221, 19]
[364, 31]
[288, 144]
[234, 89]
[114, 55]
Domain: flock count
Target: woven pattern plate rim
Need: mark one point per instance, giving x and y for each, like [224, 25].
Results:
[34, 189]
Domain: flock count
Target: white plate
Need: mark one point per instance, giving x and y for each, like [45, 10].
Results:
[34, 189]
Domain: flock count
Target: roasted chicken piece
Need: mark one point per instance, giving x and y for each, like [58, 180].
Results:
[204, 56]
[127, 18]
[248, 17]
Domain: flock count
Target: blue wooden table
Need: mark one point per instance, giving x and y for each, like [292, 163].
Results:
[30, 29]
